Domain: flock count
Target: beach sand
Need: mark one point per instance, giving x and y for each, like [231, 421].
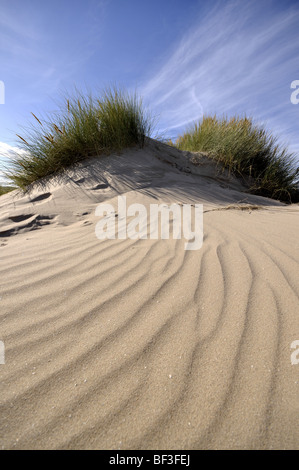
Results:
[141, 344]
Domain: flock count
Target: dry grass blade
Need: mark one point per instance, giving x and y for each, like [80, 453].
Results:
[22, 139]
[36, 119]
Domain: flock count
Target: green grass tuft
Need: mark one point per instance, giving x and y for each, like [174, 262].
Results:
[249, 151]
[6, 189]
[83, 127]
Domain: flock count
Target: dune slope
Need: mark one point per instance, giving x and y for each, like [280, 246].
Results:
[140, 344]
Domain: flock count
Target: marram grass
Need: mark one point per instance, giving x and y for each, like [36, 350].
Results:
[249, 151]
[83, 127]
[6, 189]
[86, 127]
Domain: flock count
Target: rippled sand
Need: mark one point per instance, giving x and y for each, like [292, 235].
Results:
[139, 344]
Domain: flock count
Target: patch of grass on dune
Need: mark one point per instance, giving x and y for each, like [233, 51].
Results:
[83, 127]
[6, 189]
[247, 150]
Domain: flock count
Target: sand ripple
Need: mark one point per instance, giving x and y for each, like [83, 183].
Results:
[140, 344]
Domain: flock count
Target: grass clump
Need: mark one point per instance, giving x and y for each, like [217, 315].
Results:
[6, 189]
[83, 127]
[247, 150]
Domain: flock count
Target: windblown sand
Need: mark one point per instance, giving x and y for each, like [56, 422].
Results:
[139, 344]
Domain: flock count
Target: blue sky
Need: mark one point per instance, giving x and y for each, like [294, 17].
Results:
[185, 57]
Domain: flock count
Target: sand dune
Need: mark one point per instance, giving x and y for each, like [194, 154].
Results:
[139, 344]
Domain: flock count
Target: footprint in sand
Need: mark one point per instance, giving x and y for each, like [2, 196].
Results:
[81, 180]
[20, 218]
[41, 197]
[99, 186]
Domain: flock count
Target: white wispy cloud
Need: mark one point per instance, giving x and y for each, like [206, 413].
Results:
[239, 58]
[7, 153]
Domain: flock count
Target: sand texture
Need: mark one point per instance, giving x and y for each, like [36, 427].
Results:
[140, 344]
